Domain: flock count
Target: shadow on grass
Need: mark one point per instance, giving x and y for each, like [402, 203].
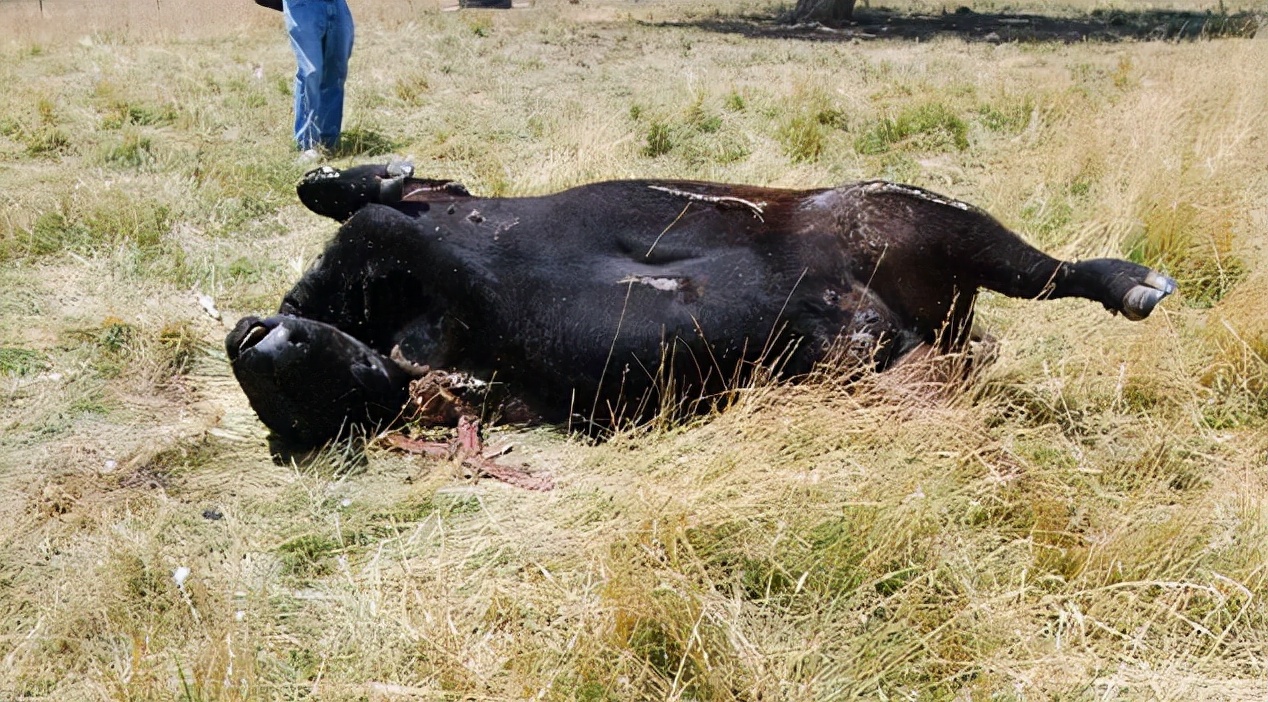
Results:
[1098, 25]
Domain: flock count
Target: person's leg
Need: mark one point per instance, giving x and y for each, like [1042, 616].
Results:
[306, 23]
[338, 48]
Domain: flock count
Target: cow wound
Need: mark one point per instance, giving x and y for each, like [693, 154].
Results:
[664, 284]
[888, 188]
[723, 201]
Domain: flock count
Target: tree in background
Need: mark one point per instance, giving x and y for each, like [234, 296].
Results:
[823, 11]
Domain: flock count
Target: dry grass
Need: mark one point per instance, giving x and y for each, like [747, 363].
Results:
[1084, 519]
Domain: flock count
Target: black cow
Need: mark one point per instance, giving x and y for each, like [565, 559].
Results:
[606, 301]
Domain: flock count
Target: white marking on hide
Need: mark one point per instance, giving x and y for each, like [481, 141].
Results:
[665, 284]
[720, 200]
[881, 186]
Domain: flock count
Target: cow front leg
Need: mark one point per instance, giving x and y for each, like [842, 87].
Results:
[339, 194]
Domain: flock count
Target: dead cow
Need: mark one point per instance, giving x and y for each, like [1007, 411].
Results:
[595, 302]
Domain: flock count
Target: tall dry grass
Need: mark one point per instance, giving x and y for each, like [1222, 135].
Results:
[1082, 519]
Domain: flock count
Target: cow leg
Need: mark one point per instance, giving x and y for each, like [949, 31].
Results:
[936, 252]
[1016, 269]
[993, 257]
[1122, 286]
[338, 194]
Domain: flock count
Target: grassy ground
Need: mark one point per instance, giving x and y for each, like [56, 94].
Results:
[1085, 519]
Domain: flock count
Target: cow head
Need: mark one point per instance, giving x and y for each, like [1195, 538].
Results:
[310, 382]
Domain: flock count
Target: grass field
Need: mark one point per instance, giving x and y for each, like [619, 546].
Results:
[1085, 519]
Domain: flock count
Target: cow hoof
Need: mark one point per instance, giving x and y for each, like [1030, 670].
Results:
[1141, 299]
[401, 169]
[319, 174]
[392, 188]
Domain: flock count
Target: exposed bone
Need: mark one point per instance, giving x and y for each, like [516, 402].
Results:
[437, 397]
[468, 450]
[433, 398]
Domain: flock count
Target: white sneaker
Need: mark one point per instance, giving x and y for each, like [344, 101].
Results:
[309, 156]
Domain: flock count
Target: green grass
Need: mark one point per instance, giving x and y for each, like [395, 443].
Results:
[659, 140]
[929, 127]
[20, 361]
[110, 220]
[308, 556]
[1196, 247]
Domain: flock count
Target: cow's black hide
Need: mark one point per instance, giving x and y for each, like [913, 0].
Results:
[607, 300]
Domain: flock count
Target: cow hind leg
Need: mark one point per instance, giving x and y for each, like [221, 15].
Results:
[1122, 286]
[975, 250]
[1003, 262]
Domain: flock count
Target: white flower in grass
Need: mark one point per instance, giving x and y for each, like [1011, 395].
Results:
[180, 575]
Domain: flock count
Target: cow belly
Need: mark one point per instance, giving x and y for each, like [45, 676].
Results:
[611, 330]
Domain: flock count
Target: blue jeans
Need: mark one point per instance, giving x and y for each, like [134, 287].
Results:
[321, 35]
